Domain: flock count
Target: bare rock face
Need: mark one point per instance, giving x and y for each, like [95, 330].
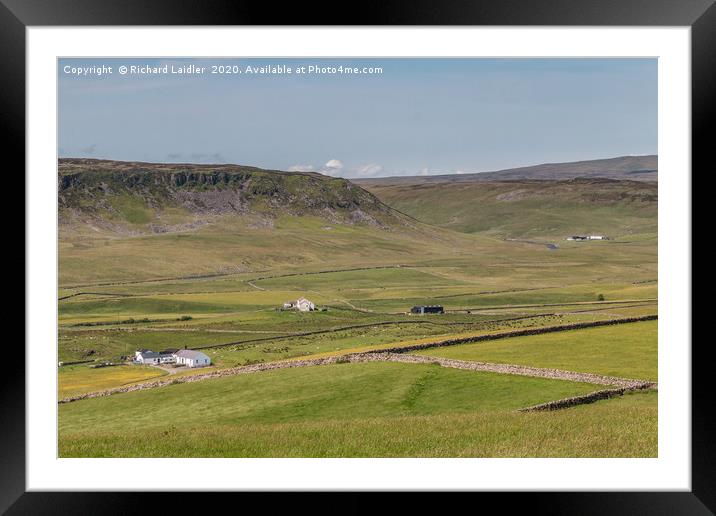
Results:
[211, 201]
[142, 194]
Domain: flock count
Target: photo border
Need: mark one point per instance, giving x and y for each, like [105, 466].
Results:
[16, 15]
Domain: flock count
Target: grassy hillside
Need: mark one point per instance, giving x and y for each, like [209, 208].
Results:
[628, 350]
[529, 208]
[377, 409]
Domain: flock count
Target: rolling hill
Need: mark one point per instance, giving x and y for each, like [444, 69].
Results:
[632, 168]
[617, 197]
[529, 208]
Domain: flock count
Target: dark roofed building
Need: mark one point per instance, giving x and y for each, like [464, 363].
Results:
[431, 309]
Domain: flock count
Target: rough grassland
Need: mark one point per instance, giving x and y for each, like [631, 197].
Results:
[346, 410]
[528, 208]
[79, 379]
[627, 350]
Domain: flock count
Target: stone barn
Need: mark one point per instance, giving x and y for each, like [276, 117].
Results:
[427, 309]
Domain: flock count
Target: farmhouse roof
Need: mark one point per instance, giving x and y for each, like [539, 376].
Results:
[149, 354]
[190, 353]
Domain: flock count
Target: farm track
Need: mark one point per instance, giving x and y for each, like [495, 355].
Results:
[391, 355]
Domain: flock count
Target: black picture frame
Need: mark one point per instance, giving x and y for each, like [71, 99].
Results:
[700, 15]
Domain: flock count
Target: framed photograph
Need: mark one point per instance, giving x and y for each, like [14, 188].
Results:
[436, 250]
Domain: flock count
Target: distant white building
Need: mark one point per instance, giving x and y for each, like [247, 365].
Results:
[301, 304]
[304, 305]
[192, 358]
[587, 237]
[185, 357]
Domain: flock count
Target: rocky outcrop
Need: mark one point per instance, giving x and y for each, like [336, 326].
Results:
[102, 189]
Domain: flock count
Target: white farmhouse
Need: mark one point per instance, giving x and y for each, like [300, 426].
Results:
[172, 356]
[145, 356]
[191, 358]
[304, 305]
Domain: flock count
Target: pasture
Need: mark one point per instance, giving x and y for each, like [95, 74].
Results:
[375, 409]
[626, 350]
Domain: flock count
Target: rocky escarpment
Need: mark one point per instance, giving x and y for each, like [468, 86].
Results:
[140, 193]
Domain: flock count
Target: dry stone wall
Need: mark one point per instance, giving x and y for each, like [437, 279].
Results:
[517, 333]
[583, 399]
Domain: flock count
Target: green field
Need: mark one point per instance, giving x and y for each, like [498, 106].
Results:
[250, 415]
[626, 350]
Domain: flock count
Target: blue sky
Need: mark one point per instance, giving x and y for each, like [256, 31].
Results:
[419, 116]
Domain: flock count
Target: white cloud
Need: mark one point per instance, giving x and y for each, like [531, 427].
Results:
[334, 164]
[300, 168]
[369, 170]
[424, 172]
[336, 168]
